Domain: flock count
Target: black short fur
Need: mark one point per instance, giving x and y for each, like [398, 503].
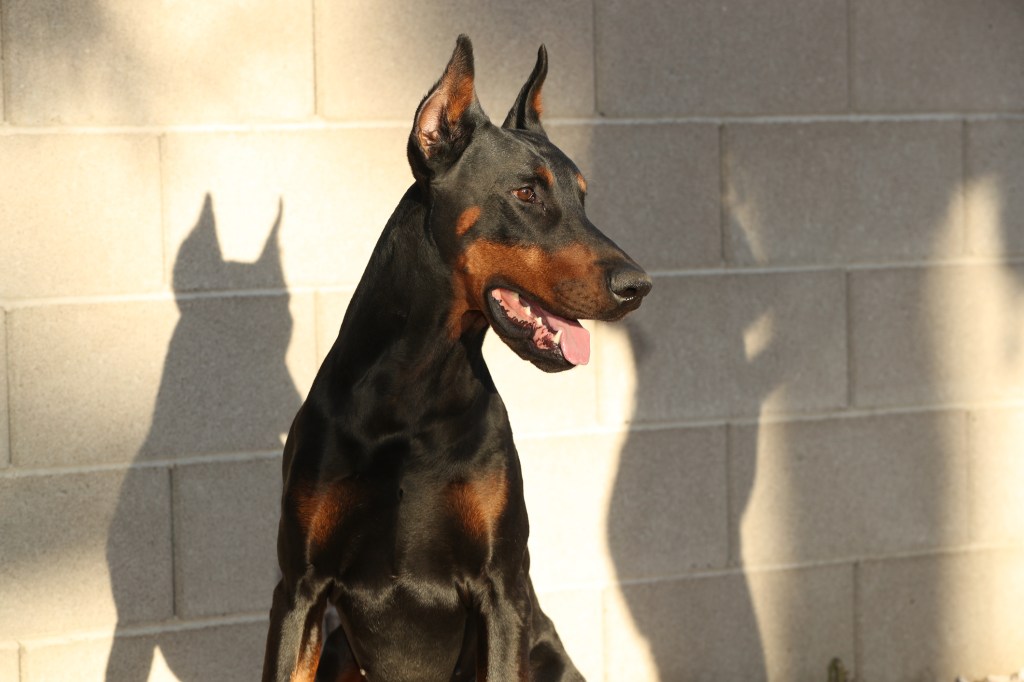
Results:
[403, 498]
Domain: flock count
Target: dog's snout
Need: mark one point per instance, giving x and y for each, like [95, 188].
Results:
[629, 285]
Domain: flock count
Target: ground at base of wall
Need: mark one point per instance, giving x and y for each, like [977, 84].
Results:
[1013, 677]
[837, 673]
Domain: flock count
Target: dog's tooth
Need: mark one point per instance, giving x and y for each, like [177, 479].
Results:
[538, 321]
[514, 296]
[526, 309]
[558, 337]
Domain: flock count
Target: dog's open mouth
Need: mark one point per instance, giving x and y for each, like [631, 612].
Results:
[550, 334]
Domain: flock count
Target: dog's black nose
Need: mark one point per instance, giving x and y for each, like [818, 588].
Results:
[629, 284]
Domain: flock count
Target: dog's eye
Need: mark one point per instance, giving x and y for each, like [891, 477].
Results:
[525, 194]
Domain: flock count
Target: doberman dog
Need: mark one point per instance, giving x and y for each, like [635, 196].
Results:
[403, 496]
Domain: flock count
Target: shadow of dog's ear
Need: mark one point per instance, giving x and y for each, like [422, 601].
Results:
[447, 116]
[525, 113]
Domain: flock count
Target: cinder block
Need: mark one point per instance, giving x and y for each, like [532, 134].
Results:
[842, 192]
[567, 483]
[107, 62]
[225, 536]
[10, 665]
[578, 616]
[5, 440]
[731, 345]
[996, 475]
[919, 55]
[106, 382]
[83, 551]
[653, 188]
[923, 336]
[668, 509]
[778, 625]
[81, 214]
[386, 77]
[995, 188]
[332, 190]
[222, 652]
[939, 617]
[541, 403]
[821, 490]
[631, 505]
[102, 361]
[734, 57]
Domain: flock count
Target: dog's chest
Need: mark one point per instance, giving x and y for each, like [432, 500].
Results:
[416, 524]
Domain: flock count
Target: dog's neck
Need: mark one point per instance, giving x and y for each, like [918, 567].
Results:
[396, 354]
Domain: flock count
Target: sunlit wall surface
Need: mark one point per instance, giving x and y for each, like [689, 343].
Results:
[808, 443]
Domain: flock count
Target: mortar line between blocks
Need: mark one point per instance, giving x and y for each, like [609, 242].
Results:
[775, 418]
[594, 56]
[166, 277]
[965, 174]
[5, 80]
[313, 44]
[43, 301]
[171, 478]
[605, 649]
[157, 628]
[723, 194]
[623, 430]
[858, 644]
[70, 470]
[850, 56]
[152, 296]
[8, 368]
[811, 564]
[970, 474]
[321, 125]
[782, 269]
[732, 551]
[850, 365]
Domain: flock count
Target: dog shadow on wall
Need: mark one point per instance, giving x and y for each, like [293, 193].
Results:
[225, 388]
[806, 486]
[668, 509]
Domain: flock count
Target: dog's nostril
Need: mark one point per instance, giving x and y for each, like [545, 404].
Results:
[629, 284]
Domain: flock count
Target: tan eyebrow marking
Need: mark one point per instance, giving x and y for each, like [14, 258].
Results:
[545, 174]
[467, 219]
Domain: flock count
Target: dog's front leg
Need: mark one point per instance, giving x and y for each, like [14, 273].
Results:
[507, 612]
[296, 630]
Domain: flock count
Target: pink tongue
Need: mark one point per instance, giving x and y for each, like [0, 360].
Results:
[575, 341]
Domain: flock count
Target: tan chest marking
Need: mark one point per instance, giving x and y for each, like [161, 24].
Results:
[321, 509]
[478, 503]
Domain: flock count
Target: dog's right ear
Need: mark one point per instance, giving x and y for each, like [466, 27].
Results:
[447, 116]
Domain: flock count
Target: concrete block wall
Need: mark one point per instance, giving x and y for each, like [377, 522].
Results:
[806, 444]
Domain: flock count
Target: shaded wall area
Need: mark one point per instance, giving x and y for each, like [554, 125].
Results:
[806, 444]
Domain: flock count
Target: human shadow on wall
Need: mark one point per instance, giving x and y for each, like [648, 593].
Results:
[224, 388]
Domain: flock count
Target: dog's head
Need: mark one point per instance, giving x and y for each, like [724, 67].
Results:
[507, 214]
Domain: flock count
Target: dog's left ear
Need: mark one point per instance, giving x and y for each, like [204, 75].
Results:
[447, 116]
[525, 113]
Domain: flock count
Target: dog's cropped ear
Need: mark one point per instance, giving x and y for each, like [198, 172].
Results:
[447, 116]
[525, 113]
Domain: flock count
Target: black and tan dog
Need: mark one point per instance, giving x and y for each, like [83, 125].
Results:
[403, 498]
